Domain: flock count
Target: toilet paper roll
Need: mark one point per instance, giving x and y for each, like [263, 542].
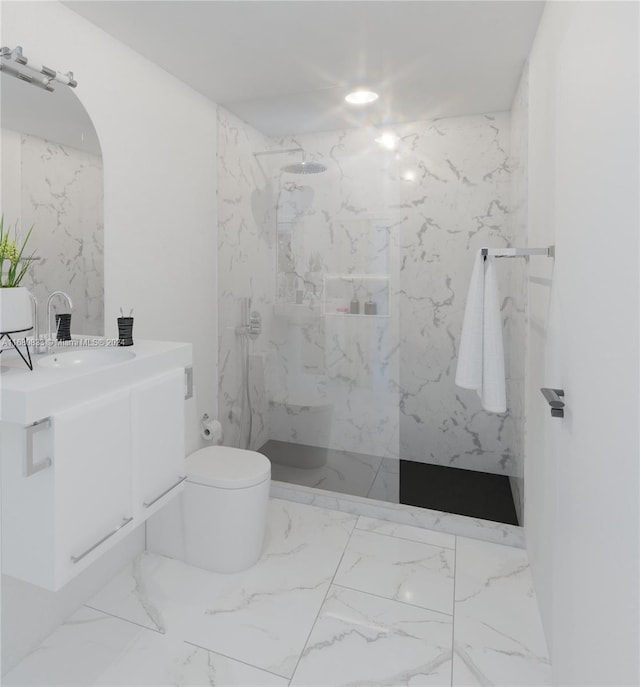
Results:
[211, 430]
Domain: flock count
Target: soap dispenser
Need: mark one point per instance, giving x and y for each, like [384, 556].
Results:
[370, 307]
[354, 306]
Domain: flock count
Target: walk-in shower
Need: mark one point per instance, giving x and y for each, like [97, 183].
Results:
[360, 270]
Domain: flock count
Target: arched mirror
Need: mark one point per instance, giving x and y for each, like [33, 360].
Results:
[52, 179]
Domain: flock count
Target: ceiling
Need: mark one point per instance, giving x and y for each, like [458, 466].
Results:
[284, 66]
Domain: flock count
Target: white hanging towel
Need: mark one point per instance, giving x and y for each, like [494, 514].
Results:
[481, 354]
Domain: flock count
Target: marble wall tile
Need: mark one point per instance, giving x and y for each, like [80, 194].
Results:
[400, 227]
[405, 225]
[62, 197]
[246, 269]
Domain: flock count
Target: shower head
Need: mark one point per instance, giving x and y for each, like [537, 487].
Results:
[305, 167]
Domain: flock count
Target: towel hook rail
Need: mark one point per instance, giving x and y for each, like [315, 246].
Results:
[549, 252]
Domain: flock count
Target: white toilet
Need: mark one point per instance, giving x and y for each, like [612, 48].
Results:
[225, 508]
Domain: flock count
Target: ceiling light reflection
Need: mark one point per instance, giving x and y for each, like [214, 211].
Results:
[361, 97]
[388, 140]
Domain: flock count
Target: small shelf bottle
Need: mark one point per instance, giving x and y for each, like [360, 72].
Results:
[354, 306]
[370, 307]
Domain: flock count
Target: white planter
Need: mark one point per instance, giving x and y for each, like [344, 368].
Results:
[15, 309]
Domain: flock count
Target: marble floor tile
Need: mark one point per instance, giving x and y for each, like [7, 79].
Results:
[345, 472]
[361, 639]
[407, 571]
[394, 529]
[261, 616]
[95, 649]
[499, 638]
[334, 600]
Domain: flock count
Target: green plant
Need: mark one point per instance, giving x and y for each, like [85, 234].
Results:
[11, 251]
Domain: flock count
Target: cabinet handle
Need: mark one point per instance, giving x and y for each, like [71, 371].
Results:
[165, 492]
[188, 371]
[30, 467]
[77, 559]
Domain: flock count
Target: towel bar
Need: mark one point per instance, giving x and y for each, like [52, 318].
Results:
[549, 252]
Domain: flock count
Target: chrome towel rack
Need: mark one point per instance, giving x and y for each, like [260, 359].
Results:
[549, 252]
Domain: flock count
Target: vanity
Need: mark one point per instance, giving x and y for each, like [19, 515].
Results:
[91, 445]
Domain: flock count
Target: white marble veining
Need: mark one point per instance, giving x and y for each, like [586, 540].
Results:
[392, 529]
[62, 197]
[344, 472]
[404, 227]
[499, 638]
[400, 228]
[261, 616]
[408, 571]
[92, 648]
[386, 485]
[451, 523]
[289, 620]
[246, 269]
[360, 639]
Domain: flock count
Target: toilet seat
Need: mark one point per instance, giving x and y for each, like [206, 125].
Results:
[227, 468]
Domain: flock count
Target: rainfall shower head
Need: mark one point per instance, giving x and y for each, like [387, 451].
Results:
[304, 167]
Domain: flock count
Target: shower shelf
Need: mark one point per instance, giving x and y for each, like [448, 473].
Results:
[361, 314]
[340, 288]
[359, 277]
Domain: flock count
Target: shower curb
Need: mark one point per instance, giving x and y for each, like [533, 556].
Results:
[450, 523]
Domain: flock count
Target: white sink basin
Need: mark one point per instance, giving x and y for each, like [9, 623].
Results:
[85, 358]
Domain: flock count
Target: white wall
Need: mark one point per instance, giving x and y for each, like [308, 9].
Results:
[158, 139]
[581, 480]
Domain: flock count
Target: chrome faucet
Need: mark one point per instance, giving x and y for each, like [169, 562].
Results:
[67, 298]
[36, 327]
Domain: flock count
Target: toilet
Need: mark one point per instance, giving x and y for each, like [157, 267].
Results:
[225, 508]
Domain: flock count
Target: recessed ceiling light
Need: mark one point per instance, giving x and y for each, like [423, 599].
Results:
[388, 140]
[361, 97]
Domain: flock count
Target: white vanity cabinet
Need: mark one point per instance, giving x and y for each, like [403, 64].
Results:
[88, 467]
[66, 486]
[91, 466]
[157, 442]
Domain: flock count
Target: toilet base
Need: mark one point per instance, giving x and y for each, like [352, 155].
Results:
[224, 528]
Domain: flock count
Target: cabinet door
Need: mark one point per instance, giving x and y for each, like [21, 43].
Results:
[92, 473]
[157, 422]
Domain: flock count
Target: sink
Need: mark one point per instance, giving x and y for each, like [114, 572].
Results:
[85, 358]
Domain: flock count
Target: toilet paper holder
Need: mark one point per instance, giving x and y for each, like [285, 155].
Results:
[210, 430]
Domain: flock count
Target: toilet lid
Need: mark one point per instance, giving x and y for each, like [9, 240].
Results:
[226, 467]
